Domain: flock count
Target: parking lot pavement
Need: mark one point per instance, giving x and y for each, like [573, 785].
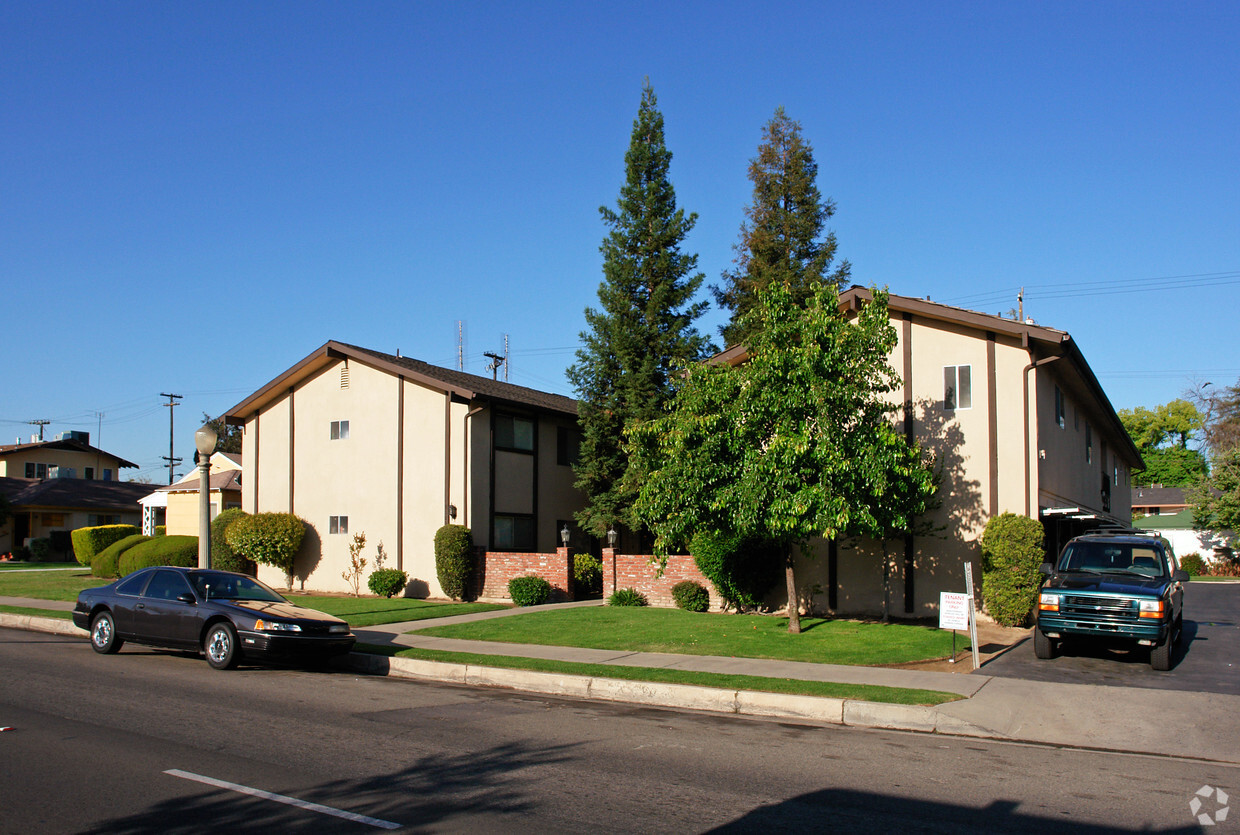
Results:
[1207, 660]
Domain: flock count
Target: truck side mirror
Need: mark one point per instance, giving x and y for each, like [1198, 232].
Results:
[1046, 569]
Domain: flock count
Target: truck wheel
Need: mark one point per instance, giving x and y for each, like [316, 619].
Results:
[1043, 647]
[1160, 656]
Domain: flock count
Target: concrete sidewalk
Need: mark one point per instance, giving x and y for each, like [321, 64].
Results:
[1139, 720]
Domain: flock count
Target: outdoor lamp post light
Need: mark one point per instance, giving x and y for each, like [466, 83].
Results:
[612, 536]
[204, 439]
[564, 534]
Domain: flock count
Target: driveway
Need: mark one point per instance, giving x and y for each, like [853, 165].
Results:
[1207, 661]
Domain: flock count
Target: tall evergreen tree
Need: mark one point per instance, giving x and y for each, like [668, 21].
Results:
[782, 239]
[644, 325]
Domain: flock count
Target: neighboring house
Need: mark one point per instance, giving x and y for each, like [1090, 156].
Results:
[359, 441]
[176, 505]
[1017, 422]
[55, 506]
[57, 486]
[1166, 510]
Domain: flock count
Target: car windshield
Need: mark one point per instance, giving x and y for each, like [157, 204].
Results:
[1113, 558]
[220, 586]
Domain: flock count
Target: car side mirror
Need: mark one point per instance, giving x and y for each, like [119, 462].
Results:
[186, 598]
[1046, 569]
[1181, 576]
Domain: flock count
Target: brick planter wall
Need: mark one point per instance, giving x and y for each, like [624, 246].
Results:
[636, 571]
[496, 568]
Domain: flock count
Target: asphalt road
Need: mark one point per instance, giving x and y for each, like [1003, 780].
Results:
[1207, 660]
[123, 744]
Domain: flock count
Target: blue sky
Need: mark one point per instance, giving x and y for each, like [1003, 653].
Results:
[241, 182]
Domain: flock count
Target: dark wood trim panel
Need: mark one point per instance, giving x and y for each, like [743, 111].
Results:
[400, 472]
[292, 450]
[992, 421]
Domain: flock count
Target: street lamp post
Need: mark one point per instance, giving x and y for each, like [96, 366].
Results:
[204, 440]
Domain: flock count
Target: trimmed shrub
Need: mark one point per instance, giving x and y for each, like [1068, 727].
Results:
[587, 576]
[90, 541]
[627, 597]
[40, 549]
[268, 538]
[107, 562]
[387, 582]
[454, 560]
[1012, 550]
[1194, 565]
[741, 570]
[691, 596]
[160, 550]
[529, 590]
[161, 530]
[223, 556]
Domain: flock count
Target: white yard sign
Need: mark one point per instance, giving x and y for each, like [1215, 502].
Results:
[953, 610]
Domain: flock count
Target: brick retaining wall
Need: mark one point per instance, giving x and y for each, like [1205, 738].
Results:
[637, 571]
[496, 568]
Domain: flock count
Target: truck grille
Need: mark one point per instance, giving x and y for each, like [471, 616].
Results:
[1100, 609]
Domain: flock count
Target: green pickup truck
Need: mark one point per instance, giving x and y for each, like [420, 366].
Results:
[1125, 589]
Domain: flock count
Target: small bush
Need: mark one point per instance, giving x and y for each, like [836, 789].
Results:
[454, 560]
[1012, 551]
[162, 530]
[529, 590]
[627, 597]
[40, 549]
[587, 576]
[1194, 565]
[21, 552]
[741, 570]
[387, 582]
[223, 556]
[268, 538]
[90, 541]
[160, 550]
[691, 596]
[107, 562]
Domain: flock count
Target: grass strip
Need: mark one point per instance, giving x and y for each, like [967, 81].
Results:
[44, 613]
[723, 681]
[639, 629]
[372, 611]
[48, 585]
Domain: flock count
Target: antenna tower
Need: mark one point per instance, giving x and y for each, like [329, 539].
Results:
[460, 345]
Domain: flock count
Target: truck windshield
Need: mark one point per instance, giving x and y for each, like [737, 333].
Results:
[1114, 557]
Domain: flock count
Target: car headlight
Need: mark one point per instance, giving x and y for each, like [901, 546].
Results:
[275, 626]
[1048, 602]
[338, 628]
[1152, 608]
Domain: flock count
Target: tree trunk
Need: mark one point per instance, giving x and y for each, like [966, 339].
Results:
[794, 607]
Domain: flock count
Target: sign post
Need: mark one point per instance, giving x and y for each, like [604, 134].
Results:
[968, 585]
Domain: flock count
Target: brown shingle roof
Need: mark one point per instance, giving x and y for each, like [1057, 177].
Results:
[227, 480]
[75, 446]
[79, 493]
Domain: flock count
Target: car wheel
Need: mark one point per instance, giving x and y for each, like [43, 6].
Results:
[103, 634]
[220, 646]
[1160, 656]
[1043, 647]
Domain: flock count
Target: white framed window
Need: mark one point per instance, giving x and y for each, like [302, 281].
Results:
[957, 387]
[340, 430]
[338, 524]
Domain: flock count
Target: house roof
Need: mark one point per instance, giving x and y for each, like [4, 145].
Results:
[226, 480]
[234, 457]
[457, 383]
[1158, 497]
[80, 494]
[66, 444]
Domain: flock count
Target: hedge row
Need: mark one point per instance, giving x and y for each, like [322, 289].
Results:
[161, 550]
[90, 541]
[107, 562]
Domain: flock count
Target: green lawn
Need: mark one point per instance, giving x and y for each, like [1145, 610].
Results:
[43, 613]
[48, 585]
[26, 566]
[369, 611]
[744, 636]
[828, 689]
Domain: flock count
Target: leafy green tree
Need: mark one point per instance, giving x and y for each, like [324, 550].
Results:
[1162, 435]
[644, 325]
[1171, 467]
[229, 436]
[794, 443]
[268, 538]
[782, 239]
[1216, 500]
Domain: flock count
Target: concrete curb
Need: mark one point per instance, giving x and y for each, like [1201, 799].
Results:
[35, 623]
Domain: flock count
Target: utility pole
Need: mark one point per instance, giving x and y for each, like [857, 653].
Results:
[40, 424]
[98, 438]
[1020, 306]
[170, 457]
[493, 366]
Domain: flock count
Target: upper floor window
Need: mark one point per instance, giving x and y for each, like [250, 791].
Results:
[1089, 444]
[340, 430]
[512, 432]
[957, 387]
[567, 447]
[1059, 406]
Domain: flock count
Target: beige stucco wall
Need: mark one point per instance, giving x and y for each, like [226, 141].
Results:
[13, 465]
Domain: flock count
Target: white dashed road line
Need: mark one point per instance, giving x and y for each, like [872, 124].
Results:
[280, 798]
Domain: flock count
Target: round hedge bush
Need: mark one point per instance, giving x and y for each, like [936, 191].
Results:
[107, 562]
[529, 590]
[691, 596]
[161, 550]
[387, 582]
[454, 560]
[627, 597]
[1012, 551]
[223, 556]
[1194, 565]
